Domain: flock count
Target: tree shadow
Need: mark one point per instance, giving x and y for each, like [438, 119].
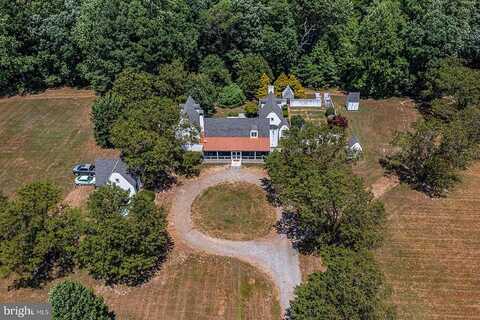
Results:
[272, 196]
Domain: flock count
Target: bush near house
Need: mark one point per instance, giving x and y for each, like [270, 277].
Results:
[231, 96]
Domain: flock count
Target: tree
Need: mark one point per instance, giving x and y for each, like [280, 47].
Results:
[297, 87]
[251, 109]
[353, 287]
[248, 70]
[330, 205]
[214, 68]
[72, 301]
[126, 241]
[147, 137]
[37, 235]
[191, 163]
[133, 86]
[263, 87]
[105, 112]
[318, 69]
[115, 35]
[203, 91]
[231, 96]
[281, 83]
[170, 81]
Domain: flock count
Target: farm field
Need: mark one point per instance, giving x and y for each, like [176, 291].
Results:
[44, 135]
[188, 287]
[432, 255]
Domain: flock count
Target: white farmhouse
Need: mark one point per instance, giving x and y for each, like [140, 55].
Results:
[115, 172]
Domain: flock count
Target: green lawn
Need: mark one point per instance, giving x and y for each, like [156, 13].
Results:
[236, 211]
[42, 138]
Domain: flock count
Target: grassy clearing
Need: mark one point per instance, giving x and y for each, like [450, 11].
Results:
[188, 287]
[375, 125]
[432, 255]
[43, 136]
[236, 211]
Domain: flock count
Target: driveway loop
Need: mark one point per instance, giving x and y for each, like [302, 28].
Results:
[272, 254]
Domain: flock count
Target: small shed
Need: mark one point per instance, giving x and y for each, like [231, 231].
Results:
[115, 172]
[288, 93]
[354, 147]
[353, 101]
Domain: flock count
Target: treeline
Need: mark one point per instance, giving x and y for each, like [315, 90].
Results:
[333, 215]
[116, 239]
[381, 48]
[447, 139]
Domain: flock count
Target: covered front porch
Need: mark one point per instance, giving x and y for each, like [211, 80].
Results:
[233, 157]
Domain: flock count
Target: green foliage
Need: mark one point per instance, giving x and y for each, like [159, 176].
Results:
[114, 35]
[329, 112]
[72, 301]
[191, 164]
[251, 109]
[297, 87]
[330, 204]
[133, 86]
[353, 287]
[147, 137]
[105, 112]
[171, 79]
[37, 235]
[125, 241]
[214, 68]
[248, 70]
[231, 96]
[203, 90]
[281, 83]
[263, 87]
[297, 121]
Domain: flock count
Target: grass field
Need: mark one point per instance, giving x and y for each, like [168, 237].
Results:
[189, 287]
[43, 136]
[235, 211]
[432, 255]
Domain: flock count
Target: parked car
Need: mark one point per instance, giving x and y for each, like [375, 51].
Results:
[85, 180]
[84, 169]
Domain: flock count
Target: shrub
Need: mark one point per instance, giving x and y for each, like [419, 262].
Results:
[231, 96]
[191, 163]
[72, 301]
[251, 109]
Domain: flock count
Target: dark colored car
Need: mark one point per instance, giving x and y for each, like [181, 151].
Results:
[84, 169]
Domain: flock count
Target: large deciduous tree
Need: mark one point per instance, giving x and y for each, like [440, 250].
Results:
[249, 69]
[330, 205]
[125, 240]
[37, 235]
[352, 288]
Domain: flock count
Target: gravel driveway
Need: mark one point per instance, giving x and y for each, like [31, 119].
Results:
[273, 254]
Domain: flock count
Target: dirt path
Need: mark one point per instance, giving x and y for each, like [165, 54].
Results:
[383, 185]
[273, 254]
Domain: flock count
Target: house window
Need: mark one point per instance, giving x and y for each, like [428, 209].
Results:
[254, 134]
[117, 180]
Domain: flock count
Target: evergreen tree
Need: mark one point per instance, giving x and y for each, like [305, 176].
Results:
[105, 112]
[263, 87]
[297, 87]
[281, 83]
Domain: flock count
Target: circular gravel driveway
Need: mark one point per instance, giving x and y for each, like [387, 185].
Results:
[273, 254]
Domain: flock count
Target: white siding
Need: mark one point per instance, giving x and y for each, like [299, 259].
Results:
[274, 119]
[353, 106]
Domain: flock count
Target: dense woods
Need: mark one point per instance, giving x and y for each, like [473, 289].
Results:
[381, 48]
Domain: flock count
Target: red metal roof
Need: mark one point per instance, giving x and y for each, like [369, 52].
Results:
[236, 144]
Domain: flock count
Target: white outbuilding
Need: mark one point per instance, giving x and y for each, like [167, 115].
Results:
[353, 101]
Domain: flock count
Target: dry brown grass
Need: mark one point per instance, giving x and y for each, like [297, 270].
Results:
[432, 255]
[189, 287]
[44, 136]
[234, 211]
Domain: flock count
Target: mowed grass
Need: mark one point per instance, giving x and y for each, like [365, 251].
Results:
[44, 136]
[432, 254]
[375, 125]
[236, 211]
[189, 287]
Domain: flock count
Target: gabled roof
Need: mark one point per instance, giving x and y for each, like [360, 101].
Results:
[271, 105]
[288, 93]
[192, 110]
[105, 167]
[353, 97]
[353, 141]
[235, 127]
